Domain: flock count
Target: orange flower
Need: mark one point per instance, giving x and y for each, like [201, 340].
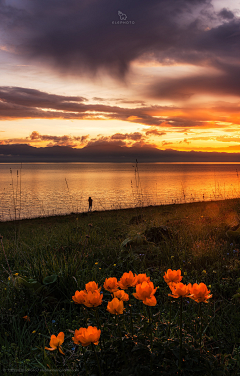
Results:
[140, 278]
[93, 299]
[115, 306]
[79, 297]
[152, 301]
[85, 336]
[121, 295]
[92, 286]
[127, 280]
[200, 293]
[179, 289]
[56, 342]
[172, 276]
[111, 284]
[145, 291]
[27, 318]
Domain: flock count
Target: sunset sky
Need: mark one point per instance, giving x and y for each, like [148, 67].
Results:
[130, 77]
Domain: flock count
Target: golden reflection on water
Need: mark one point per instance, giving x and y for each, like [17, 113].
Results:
[53, 188]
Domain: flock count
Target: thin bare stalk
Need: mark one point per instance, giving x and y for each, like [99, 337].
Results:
[20, 192]
[69, 195]
[14, 202]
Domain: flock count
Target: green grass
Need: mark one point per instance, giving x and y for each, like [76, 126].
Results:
[86, 247]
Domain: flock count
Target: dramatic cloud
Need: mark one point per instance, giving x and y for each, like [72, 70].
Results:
[224, 83]
[35, 98]
[175, 65]
[16, 102]
[88, 36]
[21, 103]
[226, 14]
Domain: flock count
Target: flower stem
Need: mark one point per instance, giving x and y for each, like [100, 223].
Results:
[99, 368]
[170, 320]
[180, 333]
[84, 310]
[99, 326]
[131, 319]
[120, 337]
[97, 317]
[200, 308]
[118, 326]
[84, 360]
[145, 316]
[150, 324]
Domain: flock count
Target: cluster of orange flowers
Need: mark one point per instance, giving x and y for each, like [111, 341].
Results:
[197, 292]
[91, 296]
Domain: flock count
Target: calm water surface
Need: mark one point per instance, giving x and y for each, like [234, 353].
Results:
[40, 189]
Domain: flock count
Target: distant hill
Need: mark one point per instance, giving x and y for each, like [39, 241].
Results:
[25, 153]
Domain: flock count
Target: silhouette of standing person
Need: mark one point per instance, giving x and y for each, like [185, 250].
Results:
[90, 204]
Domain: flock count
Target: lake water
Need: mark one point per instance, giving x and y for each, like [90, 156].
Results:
[41, 189]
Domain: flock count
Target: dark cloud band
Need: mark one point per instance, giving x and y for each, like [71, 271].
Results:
[76, 37]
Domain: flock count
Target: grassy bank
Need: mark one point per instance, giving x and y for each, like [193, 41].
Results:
[44, 261]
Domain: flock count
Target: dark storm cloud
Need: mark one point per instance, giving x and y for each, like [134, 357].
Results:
[16, 102]
[218, 48]
[81, 37]
[36, 98]
[225, 83]
[226, 14]
[84, 36]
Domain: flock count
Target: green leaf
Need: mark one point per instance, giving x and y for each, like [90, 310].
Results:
[29, 283]
[50, 279]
